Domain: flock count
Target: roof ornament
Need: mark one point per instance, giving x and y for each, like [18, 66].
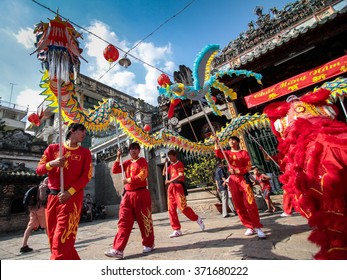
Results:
[258, 10]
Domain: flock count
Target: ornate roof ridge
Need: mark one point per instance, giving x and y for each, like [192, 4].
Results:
[294, 19]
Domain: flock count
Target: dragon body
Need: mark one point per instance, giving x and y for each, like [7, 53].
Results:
[58, 49]
[198, 85]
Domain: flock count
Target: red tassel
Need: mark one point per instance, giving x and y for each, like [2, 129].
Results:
[173, 104]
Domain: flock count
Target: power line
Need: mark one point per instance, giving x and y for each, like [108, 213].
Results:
[150, 34]
[125, 52]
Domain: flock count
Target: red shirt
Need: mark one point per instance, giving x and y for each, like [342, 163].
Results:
[136, 170]
[265, 184]
[239, 161]
[176, 168]
[77, 170]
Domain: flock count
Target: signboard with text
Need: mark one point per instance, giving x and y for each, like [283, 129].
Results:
[316, 75]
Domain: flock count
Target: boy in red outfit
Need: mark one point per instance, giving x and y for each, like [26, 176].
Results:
[64, 208]
[136, 203]
[176, 197]
[239, 164]
[264, 181]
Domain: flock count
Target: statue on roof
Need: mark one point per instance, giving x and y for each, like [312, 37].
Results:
[259, 11]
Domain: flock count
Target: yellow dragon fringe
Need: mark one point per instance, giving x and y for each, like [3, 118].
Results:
[100, 118]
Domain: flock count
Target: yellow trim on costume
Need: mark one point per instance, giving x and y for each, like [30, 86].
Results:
[48, 166]
[337, 249]
[71, 148]
[71, 231]
[71, 190]
[147, 222]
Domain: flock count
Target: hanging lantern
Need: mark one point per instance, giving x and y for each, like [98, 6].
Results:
[111, 53]
[164, 80]
[214, 99]
[124, 62]
[147, 128]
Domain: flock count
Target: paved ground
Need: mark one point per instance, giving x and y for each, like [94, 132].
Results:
[223, 239]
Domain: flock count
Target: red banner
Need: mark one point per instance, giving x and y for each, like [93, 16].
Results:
[316, 75]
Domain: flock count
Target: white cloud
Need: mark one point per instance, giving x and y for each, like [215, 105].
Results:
[31, 98]
[123, 80]
[140, 79]
[26, 37]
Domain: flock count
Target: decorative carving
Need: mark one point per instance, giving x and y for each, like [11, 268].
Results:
[8, 190]
[17, 139]
[266, 27]
[7, 166]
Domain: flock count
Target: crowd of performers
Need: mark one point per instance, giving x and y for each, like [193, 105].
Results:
[312, 155]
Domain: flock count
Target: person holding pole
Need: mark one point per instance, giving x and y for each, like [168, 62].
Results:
[136, 203]
[64, 207]
[239, 164]
[176, 198]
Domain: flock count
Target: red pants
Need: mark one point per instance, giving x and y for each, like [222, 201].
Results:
[62, 225]
[135, 205]
[244, 202]
[176, 197]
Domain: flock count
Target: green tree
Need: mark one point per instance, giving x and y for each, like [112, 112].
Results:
[201, 174]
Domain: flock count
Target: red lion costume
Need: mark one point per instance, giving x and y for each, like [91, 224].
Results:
[313, 155]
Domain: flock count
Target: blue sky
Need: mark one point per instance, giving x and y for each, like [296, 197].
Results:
[122, 23]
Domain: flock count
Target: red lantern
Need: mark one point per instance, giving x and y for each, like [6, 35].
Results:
[214, 99]
[111, 53]
[34, 119]
[163, 80]
[147, 128]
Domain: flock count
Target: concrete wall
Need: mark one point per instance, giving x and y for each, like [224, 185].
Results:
[106, 188]
[13, 215]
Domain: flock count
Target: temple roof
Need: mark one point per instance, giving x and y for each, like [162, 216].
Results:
[16, 145]
[294, 20]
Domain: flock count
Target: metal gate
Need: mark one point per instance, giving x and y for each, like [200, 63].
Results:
[254, 138]
[267, 140]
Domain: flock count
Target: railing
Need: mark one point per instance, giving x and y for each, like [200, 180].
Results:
[13, 106]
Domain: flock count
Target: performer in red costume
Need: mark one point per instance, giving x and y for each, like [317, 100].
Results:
[64, 208]
[239, 164]
[313, 146]
[176, 196]
[136, 203]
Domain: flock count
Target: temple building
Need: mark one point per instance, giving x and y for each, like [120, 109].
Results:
[295, 49]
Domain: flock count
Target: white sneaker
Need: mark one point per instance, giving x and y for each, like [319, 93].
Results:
[113, 253]
[249, 232]
[201, 223]
[176, 233]
[260, 233]
[148, 249]
[284, 214]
